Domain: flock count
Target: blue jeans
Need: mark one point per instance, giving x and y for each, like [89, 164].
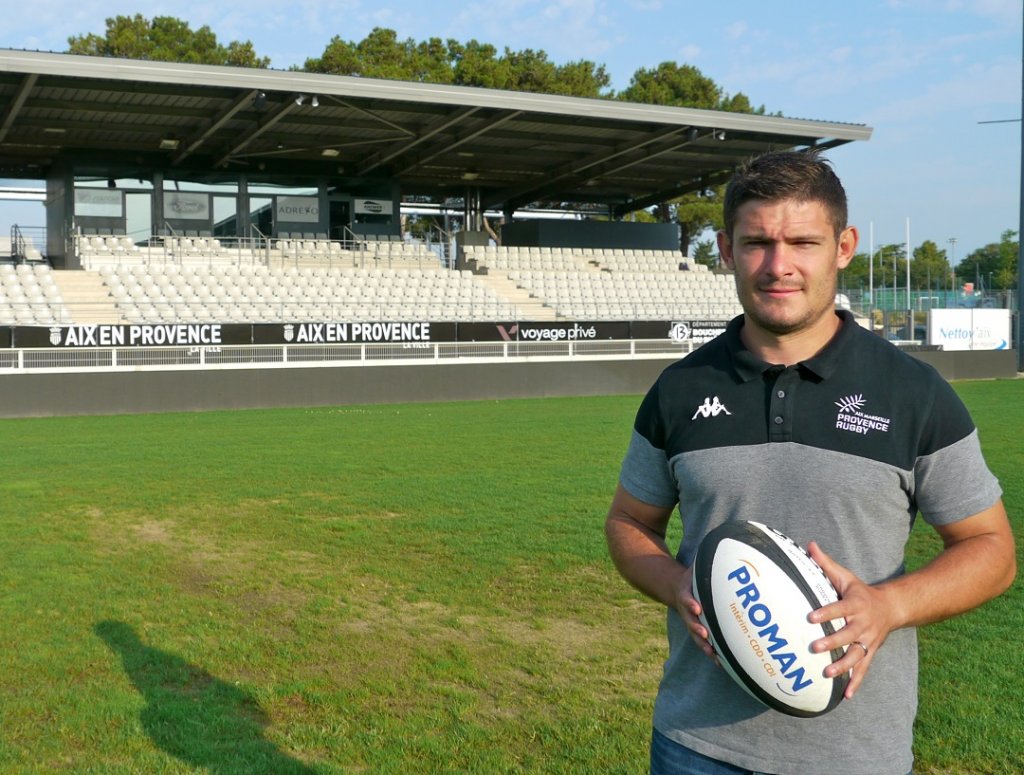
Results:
[670, 758]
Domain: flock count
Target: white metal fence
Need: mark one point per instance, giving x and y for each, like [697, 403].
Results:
[55, 359]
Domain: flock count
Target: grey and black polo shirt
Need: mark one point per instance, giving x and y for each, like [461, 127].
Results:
[845, 448]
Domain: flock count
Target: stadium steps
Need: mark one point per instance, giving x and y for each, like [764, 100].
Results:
[86, 297]
[530, 307]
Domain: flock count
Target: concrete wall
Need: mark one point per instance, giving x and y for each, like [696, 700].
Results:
[964, 364]
[42, 395]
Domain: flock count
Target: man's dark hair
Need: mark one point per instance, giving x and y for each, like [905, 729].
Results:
[782, 175]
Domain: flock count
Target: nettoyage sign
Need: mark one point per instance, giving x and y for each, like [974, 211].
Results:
[969, 329]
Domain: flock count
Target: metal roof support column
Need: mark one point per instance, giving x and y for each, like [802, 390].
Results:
[473, 215]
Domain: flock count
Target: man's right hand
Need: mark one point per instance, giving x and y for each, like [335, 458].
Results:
[689, 610]
[636, 540]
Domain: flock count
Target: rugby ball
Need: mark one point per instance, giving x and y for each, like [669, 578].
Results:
[756, 588]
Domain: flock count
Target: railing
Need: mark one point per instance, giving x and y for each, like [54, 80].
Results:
[306, 356]
[174, 248]
[278, 311]
[885, 299]
[28, 243]
[444, 245]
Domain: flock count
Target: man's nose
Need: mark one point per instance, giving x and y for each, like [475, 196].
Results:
[778, 259]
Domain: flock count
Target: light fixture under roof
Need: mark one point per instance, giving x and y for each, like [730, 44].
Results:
[169, 144]
[330, 152]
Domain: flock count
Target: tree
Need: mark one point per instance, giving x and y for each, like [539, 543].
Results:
[696, 213]
[889, 263]
[164, 39]
[582, 78]
[929, 267]
[671, 83]
[683, 86]
[704, 253]
[855, 275]
[382, 55]
[478, 64]
[997, 260]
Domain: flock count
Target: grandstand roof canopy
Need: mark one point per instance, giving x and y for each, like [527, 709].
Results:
[117, 116]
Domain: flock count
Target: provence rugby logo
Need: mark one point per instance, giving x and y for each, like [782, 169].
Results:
[851, 418]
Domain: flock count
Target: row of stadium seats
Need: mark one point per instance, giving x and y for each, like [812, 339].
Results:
[96, 251]
[511, 258]
[138, 292]
[391, 254]
[633, 295]
[30, 296]
[253, 294]
[612, 283]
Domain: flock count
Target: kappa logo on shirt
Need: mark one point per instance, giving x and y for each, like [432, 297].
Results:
[851, 418]
[711, 407]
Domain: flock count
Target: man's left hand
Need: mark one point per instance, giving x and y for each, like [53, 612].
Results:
[868, 624]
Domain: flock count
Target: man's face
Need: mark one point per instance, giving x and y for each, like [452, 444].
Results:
[786, 257]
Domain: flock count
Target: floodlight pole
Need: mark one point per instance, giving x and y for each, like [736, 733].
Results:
[871, 271]
[910, 306]
[1020, 234]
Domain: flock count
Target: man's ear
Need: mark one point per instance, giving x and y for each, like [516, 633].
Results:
[725, 249]
[848, 239]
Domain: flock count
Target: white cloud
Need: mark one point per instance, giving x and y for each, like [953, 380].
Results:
[689, 54]
[646, 6]
[565, 29]
[736, 30]
[841, 54]
[969, 97]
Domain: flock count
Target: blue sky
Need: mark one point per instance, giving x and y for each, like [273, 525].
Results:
[922, 73]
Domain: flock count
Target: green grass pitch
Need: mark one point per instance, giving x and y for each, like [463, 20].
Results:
[379, 589]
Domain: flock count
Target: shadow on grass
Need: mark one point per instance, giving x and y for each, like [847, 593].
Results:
[201, 720]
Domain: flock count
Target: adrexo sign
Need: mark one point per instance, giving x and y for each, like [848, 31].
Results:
[298, 209]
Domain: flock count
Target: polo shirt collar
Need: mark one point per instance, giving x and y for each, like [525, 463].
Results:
[823, 365]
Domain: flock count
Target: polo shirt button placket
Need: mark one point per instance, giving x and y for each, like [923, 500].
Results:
[781, 398]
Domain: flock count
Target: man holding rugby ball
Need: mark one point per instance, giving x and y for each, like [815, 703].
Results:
[799, 418]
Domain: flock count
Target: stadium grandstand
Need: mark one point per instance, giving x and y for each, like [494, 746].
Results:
[230, 218]
[202, 281]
